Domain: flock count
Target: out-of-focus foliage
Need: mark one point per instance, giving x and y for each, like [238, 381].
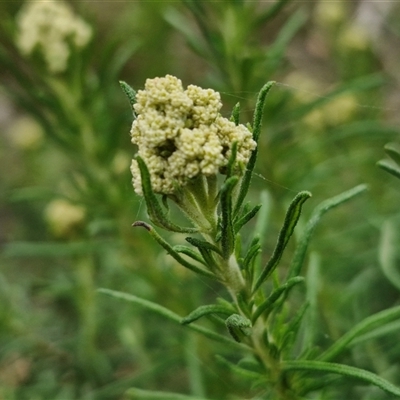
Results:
[67, 203]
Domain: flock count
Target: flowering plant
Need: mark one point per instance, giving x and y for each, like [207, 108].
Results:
[184, 144]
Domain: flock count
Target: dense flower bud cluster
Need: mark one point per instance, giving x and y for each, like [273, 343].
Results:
[47, 26]
[180, 134]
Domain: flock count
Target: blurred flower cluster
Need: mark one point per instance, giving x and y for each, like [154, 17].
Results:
[51, 27]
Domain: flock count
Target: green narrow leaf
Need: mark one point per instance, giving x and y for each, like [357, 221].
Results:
[227, 232]
[189, 252]
[389, 166]
[129, 92]
[252, 253]
[173, 252]
[156, 212]
[246, 217]
[257, 123]
[139, 394]
[238, 326]
[368, 324]
[245, 373]
[267, 306]
[207, 310]
[202, 244]
[393, 150]
[235, 114]
[205, 250]
[390, 328]
[318, 212]
[165, 312]
[291, 218]
[388, 254]
[345, 370]
[312, 282]
[292, 328]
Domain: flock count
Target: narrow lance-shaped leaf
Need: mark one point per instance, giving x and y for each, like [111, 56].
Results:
[367, 325]
[206, 250]
[291, 218]
[388, 253]
[173, 252]
[207, 310]
[393, 150]
[246, 217]
[389, 166]
[257, 122]
[142, 394]
[202, 244]
[235, 114]
[227, 232]
[165, 312]
[156, 213]
[189, 252]
[319, 211]
[292, 328]
[254, 250]
[267, 305]
[130, 93]
[344, 370]
[245, 373]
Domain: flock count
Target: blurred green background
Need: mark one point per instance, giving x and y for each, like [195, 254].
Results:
[67, 204]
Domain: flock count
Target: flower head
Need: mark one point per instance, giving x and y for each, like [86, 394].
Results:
[63, 217]
[47, 25]
[180, 134]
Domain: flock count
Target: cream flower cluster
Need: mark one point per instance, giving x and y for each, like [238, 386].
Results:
[48, 25]
[180, 134]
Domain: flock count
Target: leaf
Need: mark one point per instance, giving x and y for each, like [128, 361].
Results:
[238, 326]
[390, 328]
[235, 114]
[202, 244]
[129, 92]
[345, 370]
[245, 373]
[244, 219]
[165, 312]
[291, 218]
[257, 123]
[227, 232]
[388, 252]
[207, 310]
[292, 328]
[389, 166]
[156, 212]
[205, 250]
[139, 394]
[189, 252]
[173, 252]
[318, 212]
[393, 150]
[252, 253]
[267, 306]
[370, 323]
